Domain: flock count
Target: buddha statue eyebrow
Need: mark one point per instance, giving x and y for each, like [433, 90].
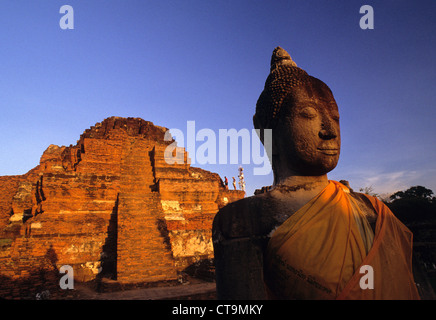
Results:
[312, 101]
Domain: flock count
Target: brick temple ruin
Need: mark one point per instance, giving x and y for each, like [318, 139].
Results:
[108, 205]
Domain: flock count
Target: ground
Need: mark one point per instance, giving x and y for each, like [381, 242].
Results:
[190, 289]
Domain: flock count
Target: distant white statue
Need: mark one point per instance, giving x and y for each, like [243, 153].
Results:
[241, 179]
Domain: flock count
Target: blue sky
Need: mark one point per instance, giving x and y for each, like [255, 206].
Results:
[170, 62]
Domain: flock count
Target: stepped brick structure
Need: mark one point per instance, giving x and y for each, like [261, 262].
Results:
[109, 205]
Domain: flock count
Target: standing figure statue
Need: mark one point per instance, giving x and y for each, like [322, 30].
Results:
[308, 237]
[241, 179]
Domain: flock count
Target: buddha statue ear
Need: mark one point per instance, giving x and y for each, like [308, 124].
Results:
[259, 129]
[258, 126]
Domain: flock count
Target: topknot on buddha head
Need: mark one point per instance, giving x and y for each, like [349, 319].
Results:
[283, 78]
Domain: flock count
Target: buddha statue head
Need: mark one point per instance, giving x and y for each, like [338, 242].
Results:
[304, 118]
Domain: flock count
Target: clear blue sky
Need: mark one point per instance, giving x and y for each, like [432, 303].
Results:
[170, 62]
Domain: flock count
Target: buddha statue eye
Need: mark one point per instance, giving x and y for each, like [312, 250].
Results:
[308, 113]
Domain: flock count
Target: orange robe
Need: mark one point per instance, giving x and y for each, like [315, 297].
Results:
[323, 252]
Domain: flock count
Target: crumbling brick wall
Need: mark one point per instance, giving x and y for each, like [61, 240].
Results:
[109, 205]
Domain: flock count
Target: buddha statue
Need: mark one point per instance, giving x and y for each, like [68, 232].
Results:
[308, 237]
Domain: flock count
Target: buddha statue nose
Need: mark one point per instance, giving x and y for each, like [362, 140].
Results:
[328, 130]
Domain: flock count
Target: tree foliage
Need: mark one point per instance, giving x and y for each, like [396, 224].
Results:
[413, 205]
[369, 191]
[416, 192]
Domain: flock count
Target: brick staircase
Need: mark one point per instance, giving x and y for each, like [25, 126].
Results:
[143, 250]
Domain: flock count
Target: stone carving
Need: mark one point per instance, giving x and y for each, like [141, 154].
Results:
[257, 251]
[241, 179]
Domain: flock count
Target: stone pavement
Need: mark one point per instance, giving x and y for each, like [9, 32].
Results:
[186, 291]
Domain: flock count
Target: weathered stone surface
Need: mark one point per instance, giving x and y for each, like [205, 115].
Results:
[109, 205]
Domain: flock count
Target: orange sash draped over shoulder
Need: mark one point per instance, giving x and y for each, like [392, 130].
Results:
[323, 250]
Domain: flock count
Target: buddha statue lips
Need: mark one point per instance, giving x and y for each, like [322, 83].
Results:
[329, 149]
[329, 152]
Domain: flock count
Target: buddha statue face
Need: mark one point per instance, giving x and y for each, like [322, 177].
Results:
[304, 118]
[306, 138]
